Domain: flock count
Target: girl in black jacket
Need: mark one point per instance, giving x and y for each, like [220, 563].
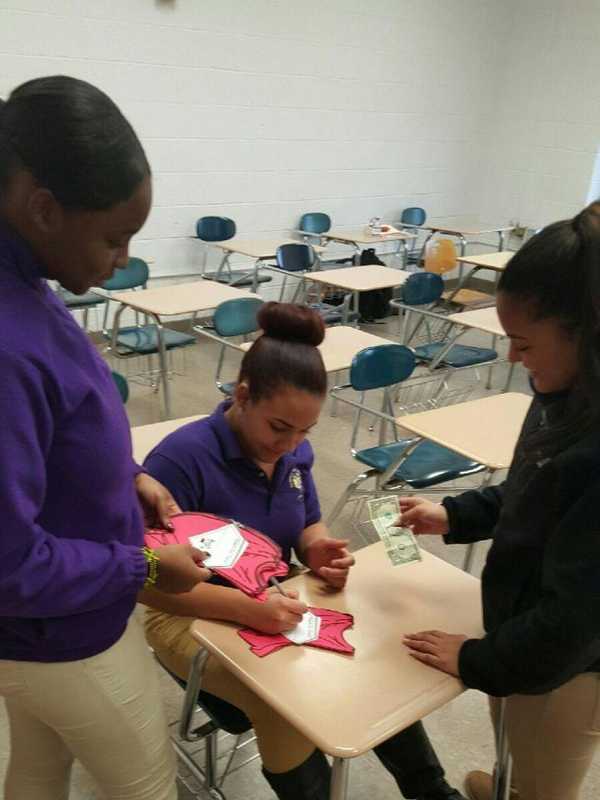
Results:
[541, 582]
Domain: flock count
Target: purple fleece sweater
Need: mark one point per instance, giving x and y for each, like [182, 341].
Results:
[70, 527]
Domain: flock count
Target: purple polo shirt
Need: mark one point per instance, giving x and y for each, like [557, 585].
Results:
[203, 466]
[71, 530]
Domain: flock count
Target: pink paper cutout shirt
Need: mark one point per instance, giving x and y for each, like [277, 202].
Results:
[331, 635]
[256, 566]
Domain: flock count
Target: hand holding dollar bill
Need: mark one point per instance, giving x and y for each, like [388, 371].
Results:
[400, 543]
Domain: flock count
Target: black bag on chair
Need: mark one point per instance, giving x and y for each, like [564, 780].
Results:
[376, 303]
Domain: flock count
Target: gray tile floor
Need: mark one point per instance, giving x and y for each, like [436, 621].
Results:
[460, 731]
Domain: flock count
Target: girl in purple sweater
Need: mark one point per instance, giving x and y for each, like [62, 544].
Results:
[74, 668]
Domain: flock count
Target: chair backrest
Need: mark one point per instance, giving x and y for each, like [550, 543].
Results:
[122, 386]
[215, 229]
[295, 257]
[380, 366]
[133, 275]
[422, 288]
[237, 317]
[413, 216]
[315, 222]
[440, 256]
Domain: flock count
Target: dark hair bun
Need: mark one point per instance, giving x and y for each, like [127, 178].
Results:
[291, 323]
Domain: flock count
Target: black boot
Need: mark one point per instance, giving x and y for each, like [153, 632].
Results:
[308, 781]
[411, 759]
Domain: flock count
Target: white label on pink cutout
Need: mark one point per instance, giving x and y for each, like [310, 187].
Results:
[305, 631]
[224, 545]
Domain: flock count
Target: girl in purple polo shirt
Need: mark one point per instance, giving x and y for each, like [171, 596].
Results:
[74, 668]
[250, 460]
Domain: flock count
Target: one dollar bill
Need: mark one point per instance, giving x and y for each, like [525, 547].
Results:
[400, 543]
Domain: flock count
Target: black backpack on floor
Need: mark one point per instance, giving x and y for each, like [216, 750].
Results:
[376, 303]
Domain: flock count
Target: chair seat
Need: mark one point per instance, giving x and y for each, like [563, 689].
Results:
[227, 388]
[427, 465]
[238, 278]
[459, 355]
[86, 300]
[144, 340]
[226, 716]
[333, 315]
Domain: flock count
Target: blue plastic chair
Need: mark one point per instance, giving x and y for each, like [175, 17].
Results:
[122, 385]
[215, 229]
[312, 225]
[431, 334]
[400, 464]
[80, 302]
[413, 217]
[315, 222]
[137, 340]
[300, 259]
[233, 318]
[221, 229]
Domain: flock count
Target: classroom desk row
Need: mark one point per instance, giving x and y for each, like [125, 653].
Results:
[351, 704]
[189, 299]
[264, 249]
[341, 343]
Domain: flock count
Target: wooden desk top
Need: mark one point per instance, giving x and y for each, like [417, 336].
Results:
[484, 319]
[496, 261]
[360, 278]
[145, 437]
[180, 298]
[340, 345]
[259, 249]
[485, 430]
[361, 236]
[466, 227]
[348, 704]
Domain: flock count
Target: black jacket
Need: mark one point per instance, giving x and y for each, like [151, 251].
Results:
[541, 582]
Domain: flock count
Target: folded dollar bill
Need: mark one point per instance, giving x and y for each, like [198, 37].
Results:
[400, 543]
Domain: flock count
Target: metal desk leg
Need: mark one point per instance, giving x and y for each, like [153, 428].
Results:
[423, 252]
[490, 369]
[164, 369]
[403, 250]
[255, 276]
[339, 779]
[224, 264]
[509, 377]
[463, 252]
[503, 759]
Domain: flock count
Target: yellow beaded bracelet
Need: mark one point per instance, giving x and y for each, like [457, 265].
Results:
[153, 561]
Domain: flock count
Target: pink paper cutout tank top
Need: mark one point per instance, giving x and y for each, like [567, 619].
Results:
[255, 567]
[331, 635]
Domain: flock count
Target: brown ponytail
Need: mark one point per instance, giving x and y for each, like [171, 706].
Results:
[286, 354]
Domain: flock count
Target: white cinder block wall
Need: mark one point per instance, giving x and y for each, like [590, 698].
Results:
[545, 127]
[264, 109]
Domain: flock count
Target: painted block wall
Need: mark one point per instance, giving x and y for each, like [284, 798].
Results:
[544, 131]
[264, 109]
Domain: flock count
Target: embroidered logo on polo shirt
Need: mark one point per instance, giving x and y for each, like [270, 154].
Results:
[296, 480]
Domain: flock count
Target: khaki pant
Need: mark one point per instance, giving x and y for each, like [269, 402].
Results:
[281, 746]
[553, 737]
[105, 711]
